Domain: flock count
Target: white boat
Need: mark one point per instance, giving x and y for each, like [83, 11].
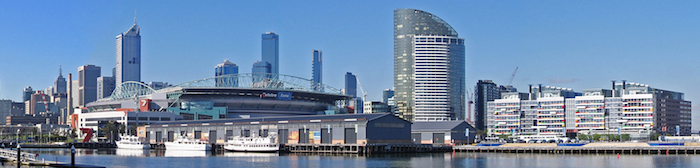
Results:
[188, 144]
[252, 144]
[131, 142]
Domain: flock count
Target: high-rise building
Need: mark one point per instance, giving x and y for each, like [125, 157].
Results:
[270, 51]
[317, 70]
[39, 104]
[370, 107]
[158, 85]
[50, 91]
[27, 93]
[351, 85]
[129, 55]
[87, 83]
[429, 67]
[226, 68]
[351, 89]
[17, 108]
[75, 94]
[60, 101]
[5, 109]
[59, 85]
[485, 91]
[261, 71]
[386, 94]
[105, 86]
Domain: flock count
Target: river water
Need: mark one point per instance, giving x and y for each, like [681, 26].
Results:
[119, 158]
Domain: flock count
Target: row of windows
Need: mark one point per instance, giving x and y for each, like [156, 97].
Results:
[637, 100]
[588, 101]
[433, 59]
[433, 71]
[441, 77]
[438, 67]
[445, 50]
[636, 110]
[431, 80]
[443, 40]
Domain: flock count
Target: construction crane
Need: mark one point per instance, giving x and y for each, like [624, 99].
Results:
[364, 94]
[46, 103]
[510, 81]
[470, 100]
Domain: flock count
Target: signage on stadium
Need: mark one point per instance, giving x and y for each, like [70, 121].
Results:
[278, 95]
[266, 95]
[284, 95]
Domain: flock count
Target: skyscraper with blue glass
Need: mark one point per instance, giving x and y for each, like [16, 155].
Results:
[351, 89]
[350, 85]
[270, 51]
[429, 67]
[261, 71]
[129, 55]
[317, 70]
[226, 68]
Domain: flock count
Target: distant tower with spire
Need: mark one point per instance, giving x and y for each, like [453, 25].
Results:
[129, 55]
[60, 83]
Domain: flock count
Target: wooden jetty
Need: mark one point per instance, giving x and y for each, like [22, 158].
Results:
[641, 150]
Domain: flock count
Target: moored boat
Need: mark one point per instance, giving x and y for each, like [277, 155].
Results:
[131, 142]
[252, 144]
[188, 144]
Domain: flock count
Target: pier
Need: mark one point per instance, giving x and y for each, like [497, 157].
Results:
[362, 149]
[80, 145]
[31, 159]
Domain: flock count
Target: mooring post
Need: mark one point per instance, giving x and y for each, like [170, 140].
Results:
[19, 155]
[72, 155]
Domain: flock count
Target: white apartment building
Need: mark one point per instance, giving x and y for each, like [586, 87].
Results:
[439, 89]
[630, 108]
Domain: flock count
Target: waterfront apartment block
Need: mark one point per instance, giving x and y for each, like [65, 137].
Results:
[628, 108]
[429, 67]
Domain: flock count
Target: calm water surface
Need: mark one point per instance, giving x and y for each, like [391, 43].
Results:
[119, 158]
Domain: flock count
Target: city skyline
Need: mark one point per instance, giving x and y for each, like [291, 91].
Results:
[578, 45]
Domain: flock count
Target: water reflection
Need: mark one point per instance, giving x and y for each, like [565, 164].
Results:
[253, 157]
[173, 158]
[186, 153]
[131, 152]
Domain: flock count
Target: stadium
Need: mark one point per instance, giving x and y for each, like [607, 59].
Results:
[229, 96]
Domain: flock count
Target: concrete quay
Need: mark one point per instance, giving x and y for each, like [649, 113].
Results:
[592, 148]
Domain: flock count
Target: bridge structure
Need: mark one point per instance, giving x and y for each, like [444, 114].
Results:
[131, 89]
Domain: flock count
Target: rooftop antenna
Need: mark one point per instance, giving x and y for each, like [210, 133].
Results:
[134, 17]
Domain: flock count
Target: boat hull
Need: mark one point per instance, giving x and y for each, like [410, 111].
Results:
[133, 146]
[251, 149]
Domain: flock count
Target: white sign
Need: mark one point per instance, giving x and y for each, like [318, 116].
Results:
[264, 95]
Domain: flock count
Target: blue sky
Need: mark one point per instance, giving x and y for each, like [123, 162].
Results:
[574, 44]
